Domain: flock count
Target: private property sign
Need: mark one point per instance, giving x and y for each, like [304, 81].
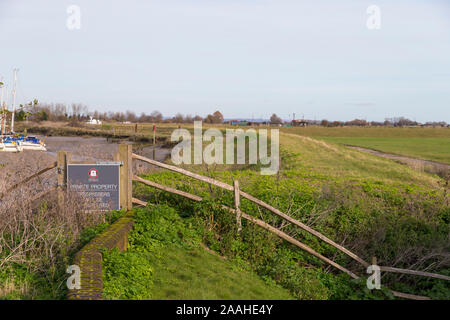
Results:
[99, 183]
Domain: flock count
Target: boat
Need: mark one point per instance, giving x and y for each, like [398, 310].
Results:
[30, 143]
[9, 145]
[10, 142]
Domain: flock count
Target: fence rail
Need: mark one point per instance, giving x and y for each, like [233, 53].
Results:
[247, 196]
[126, 156]
[50, 167]
[266, 226]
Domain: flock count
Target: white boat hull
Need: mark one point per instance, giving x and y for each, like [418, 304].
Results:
[9, 147]
[32, 146]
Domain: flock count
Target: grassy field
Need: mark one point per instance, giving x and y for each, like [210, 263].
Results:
[375, 132]
[335, 161]
[434, 149]
[422, 143]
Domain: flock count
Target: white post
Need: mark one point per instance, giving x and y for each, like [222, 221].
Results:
[14, 101]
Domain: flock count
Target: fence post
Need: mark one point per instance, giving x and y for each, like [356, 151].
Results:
[126, 175]
[63, 159]
[237, 204]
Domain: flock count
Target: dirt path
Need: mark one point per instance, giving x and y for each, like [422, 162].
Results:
[441, 169]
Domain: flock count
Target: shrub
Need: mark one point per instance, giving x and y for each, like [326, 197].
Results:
[126, 275]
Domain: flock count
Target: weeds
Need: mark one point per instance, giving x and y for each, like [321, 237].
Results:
[38, 238]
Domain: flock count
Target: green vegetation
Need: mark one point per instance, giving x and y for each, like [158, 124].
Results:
[42, 278]
[435, 149]
[180, 249]
[166, 261]
[422, 143]
[371, 217]
[314, 157]
[375, 132]
[197, 274]
[372, 205]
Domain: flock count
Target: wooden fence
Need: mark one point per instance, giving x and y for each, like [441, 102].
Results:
[129, 200]
[60, 164]
[125, 156]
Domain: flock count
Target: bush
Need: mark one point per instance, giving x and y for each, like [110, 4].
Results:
[126, 275]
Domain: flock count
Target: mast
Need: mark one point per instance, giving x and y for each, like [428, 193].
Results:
[5, 108]
[3, 112]
[1, 108]
[14, 101]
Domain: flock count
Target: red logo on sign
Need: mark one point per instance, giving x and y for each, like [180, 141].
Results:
[93, 173]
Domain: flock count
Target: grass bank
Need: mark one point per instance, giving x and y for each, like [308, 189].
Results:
[373, 206]
[434, 149]
[422, 143]
[166, 261]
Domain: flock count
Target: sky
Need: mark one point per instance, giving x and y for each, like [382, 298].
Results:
[247, 58]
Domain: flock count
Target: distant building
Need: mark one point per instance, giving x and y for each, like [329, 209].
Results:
[299, 123]
[239, 123]
[258, 123]
[93, 121]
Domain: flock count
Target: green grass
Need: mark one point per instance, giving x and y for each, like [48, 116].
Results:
[166, 261]
[422, 143]
[182, 274]
[336, 161]
[435, 149]
[376, 132]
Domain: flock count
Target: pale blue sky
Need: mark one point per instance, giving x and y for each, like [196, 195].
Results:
[244, 57]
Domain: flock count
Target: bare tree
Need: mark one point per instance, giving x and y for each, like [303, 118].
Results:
[156, 116]
[275, 119]
[130, 116]
[218, 117]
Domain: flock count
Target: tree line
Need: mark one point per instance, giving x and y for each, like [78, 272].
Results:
[37, 112]
[388, 122]
[76, 113]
